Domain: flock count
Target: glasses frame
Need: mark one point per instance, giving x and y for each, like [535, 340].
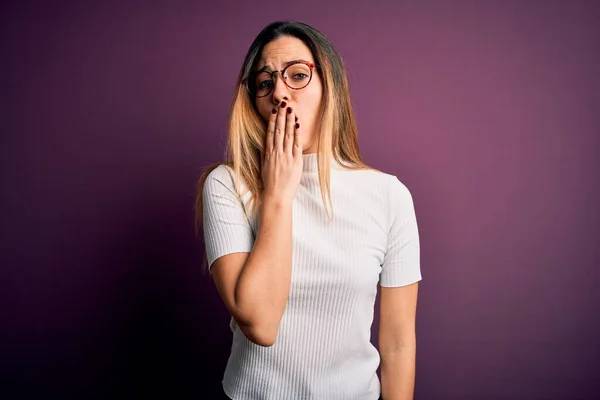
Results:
[252, 91]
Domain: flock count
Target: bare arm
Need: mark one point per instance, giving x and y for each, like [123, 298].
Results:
[397, 341]
[255, 286]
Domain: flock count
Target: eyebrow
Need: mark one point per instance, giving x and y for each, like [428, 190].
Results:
[285, 64]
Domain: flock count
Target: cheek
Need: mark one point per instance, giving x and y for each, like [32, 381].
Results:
[311, 103]
[264, 109]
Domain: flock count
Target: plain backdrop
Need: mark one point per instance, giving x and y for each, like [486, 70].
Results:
[488, 111]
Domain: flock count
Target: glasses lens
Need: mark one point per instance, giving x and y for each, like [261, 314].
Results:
[263, 84]
[297, 76]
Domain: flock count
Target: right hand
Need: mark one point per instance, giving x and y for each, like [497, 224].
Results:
[282, 159]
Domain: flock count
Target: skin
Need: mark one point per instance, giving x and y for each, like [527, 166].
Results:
[255, 286]
[305, 102]
[397, 341]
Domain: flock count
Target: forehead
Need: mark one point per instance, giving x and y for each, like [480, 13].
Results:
[286, 48]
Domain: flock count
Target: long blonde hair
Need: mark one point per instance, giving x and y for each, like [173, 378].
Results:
[338, 134]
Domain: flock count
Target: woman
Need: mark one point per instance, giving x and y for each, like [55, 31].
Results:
[299, 232]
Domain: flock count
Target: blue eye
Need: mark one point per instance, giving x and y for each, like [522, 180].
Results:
[264, 84]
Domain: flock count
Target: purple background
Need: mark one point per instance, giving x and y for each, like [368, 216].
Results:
[487, 110]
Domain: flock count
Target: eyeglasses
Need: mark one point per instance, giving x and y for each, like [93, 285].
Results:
[295, 76]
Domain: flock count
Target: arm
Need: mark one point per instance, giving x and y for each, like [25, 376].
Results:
[397, 341]
[399, 281]
[253, 277]
[254, 286]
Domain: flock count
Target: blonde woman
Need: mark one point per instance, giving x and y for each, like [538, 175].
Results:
[299, 232]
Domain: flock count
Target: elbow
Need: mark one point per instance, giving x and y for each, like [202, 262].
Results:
[264, 341]
[261, 336]
[259, 328]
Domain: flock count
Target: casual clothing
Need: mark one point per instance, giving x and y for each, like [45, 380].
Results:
[323, 348]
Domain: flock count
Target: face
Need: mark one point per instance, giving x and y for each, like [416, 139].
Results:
[305, 102]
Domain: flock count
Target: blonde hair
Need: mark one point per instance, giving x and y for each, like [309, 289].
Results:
[337, 136]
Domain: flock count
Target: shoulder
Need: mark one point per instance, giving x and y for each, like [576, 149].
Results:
[380, 186]
[392, 184]
[222, 181]
[400, 199]
[220, 172]
[219, 178]
[397, 192]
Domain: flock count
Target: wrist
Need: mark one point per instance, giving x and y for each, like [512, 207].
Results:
[270, 200]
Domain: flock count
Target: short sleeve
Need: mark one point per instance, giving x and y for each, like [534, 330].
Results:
[225, 223]
[401, 265]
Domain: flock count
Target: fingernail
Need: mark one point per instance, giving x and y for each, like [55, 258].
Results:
[274, 111]
[296, 119]
[289, 110]
[297, 125]
[283, 104]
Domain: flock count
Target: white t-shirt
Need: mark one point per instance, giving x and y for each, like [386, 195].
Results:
[323, 348]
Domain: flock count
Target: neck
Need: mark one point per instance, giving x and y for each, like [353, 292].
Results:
[310, 162]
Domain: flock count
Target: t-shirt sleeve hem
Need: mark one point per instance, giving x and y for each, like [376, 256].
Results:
[223, 252]
[398, 281]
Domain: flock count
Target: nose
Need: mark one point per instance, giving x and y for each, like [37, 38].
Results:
[280, 90]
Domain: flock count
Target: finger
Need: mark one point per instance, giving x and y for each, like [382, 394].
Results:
[280, 128]
[288, 141]
[270, 132]
[297, 150]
